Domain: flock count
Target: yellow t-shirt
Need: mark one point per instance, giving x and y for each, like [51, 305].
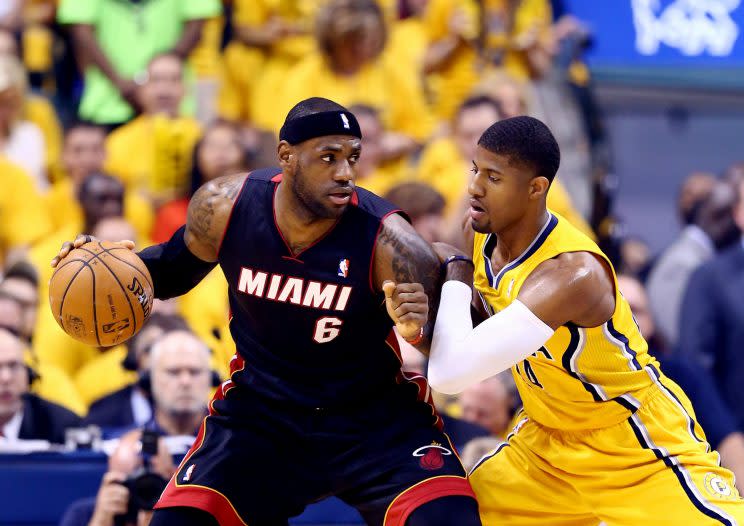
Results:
[56, 386]
[41, 112]
[23, 217]
[153, 154]
[583, 377]
[64, 210]
[103, 374]
[381, 85]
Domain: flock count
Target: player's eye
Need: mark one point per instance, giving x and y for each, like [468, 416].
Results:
[493, 179]
[354, 159]
[327, 158]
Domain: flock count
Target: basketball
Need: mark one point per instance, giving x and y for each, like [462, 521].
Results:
[101, 294]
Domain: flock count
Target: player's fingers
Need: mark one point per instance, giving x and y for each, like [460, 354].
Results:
[411, 297]
[63, 251]
[127, 243]
[403, 288]
[388, 288]
[81, 240]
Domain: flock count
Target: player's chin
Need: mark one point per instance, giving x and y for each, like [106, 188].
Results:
[480, 226]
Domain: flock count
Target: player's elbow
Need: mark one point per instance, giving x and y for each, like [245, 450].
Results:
[444, 379]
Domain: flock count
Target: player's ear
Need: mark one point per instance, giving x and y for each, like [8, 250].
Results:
[285, 153]
[539, 187]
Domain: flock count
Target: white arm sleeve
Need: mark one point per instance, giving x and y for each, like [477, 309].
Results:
[461, 356]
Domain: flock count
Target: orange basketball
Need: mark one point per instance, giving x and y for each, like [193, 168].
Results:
[101, 294]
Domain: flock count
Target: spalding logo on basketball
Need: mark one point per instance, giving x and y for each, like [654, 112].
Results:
[101, 294]
[431, 456]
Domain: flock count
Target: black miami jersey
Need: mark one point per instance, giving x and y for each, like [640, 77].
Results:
[309, 327]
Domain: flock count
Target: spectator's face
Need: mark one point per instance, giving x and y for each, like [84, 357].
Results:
[164, 88]
[103, 198]
[510, 100]
[372, 132]
[716, 215]
[635, 295]
[13, 375]
[352, 48]
[180, 375]
[429, 227]
[487, 404]
[11, 101]
[635, 256]
[11, 315]
[8, 45]
[470, 125]
[27, 297]
[84, 152]
[220, 153]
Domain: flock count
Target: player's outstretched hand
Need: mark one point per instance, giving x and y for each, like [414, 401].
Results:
[408, 306]
[69, 246]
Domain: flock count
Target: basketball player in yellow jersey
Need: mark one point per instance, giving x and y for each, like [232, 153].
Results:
[604, 435]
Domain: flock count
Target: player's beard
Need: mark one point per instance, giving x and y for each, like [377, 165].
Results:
[308, 200]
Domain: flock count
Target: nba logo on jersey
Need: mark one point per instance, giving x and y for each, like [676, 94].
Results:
[345, 120]
[343, 268]
[189, 471]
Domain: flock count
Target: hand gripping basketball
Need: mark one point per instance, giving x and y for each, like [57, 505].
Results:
[408, 306]
[101, 292]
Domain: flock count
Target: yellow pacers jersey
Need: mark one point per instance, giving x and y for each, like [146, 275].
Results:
[583, 377]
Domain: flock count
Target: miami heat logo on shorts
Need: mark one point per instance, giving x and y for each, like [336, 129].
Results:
[431, 456]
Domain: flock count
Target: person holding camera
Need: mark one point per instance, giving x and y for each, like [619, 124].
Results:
[139, 468]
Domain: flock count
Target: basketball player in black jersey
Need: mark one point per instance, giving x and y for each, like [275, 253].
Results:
[316, 403]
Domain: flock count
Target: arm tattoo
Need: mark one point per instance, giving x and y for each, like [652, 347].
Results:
[210, 207]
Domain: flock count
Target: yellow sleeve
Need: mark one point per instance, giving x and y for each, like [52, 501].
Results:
[41, 112]
[560, 202]
[103, 375]
[54, 385]
[439, 12]
[409, 113]
[530, 14]
[23, 216]
[251, 12]
[126, 153]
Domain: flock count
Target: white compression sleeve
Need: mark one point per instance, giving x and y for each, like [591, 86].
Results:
[461, 356]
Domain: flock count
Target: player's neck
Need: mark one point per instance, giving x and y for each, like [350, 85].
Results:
[516, 238]
[299, 226]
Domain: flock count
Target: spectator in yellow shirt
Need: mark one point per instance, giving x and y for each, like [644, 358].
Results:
[23, 217]
[351, 69]
[84, 153]
[39, 111]
[153, 152]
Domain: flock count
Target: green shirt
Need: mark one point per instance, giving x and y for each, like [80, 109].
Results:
[130, 34]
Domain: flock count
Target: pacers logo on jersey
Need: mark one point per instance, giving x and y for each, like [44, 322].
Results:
[717, 486]
[343, 268]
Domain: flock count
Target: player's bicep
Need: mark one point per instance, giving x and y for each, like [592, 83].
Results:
[574, 288]
[208, 214]
[402, 256]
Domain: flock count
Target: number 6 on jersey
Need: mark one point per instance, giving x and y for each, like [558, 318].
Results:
[327, 328]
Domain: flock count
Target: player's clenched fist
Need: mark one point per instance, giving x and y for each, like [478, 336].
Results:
[408, 306]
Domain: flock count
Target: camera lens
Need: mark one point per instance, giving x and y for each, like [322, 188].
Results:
[146, 490]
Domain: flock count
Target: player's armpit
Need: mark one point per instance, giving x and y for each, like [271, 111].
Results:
[208, 215]
[402, 256]
[574, 287]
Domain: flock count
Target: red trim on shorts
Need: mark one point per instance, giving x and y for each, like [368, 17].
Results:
[374, 249]
[232, 209]
[203, 498]
[407, 501]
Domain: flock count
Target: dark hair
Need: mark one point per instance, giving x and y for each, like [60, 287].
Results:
[23, 270]
[82, 124]
[312, 106]
[354, 14]
[416, 199]
[88, 181]
[525, 140]
[478, 100]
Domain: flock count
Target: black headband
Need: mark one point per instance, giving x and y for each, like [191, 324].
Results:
[320, 124]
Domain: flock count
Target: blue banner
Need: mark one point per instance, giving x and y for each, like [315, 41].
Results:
[664, 33]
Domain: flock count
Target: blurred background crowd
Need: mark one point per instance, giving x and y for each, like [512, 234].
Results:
[113, 112]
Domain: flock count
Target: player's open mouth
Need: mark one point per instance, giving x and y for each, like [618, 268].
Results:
[340, 198]
[476, 211]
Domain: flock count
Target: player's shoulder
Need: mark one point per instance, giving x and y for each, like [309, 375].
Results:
[375, 206]
[577, 273]
[265, 175]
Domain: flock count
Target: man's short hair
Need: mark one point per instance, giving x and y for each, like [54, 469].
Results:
[312, 106]
[416, 199]
[475, 101]
[25, 271]
[525, 140]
